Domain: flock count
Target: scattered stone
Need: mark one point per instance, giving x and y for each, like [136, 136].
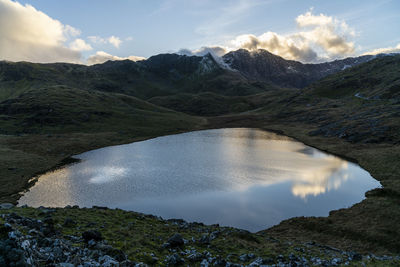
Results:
[205, 239]
[23, 243]
[173, 260]
[204, 263]
[195, 256]
[243, 257]
[107, 261]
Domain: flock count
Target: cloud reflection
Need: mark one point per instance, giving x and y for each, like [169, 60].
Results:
[260, 158]
[106, 174]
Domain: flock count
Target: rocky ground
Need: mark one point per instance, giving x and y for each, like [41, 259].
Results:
[103, 237]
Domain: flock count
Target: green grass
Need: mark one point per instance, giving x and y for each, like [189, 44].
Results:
[47, 116]
[379, 78]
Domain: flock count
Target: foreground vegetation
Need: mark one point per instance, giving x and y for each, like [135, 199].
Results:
[151, 240]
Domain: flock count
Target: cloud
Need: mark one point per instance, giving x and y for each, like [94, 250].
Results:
[386, 50]
[329, 33]
[101, 57]
[113, 40]
[218, 51]
[320, 37]
[97, 39]
[288, 47]
[80, 45]
[71, 31]
[30, 35]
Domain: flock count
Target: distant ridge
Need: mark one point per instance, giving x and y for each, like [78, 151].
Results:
[264, 66]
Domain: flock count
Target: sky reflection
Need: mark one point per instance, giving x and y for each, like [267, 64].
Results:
[246, 178]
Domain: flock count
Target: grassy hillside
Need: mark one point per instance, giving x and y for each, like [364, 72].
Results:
[43, 126]
[49, 112]
[378, 79]
[61, 109]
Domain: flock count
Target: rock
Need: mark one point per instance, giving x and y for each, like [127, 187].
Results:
[257, 262]
[13, 235]
[108, 261]
[173, 260]
[204, 263]
[336, 261]
[243, 257]
[176, 240]
[10, 254]
[92, 235]
[68, 222]
[6, 206]
[48, 221]
[4, 229]
[194, 257]
[355, 256]
[25, 244]
[220, 262]
[205, 239]
[48, 230]
[91, 243]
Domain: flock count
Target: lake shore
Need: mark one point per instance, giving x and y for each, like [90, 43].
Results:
[365, 227]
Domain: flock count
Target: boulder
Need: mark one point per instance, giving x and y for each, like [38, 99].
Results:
[92, 235]
[176, 240]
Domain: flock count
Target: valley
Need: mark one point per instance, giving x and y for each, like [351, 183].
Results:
[50, 112]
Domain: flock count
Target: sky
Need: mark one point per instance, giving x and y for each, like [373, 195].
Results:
[93, 31]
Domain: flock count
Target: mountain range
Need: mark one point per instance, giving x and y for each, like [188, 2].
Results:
[242, 73]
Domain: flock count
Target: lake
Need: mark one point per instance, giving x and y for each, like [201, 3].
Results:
[246, 178]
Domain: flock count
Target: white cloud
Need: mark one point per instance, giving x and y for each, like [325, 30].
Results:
[113, 40]
[320, 37]
[218, 51]
[97, 40]
[71, 31]
[293, 47]
[385, 50]
[30, 35]
[101, 57]
[308, 19]
[80, 45]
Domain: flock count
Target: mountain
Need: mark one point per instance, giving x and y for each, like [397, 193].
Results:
[262, 65]
[160, 75]
[169, 74]
[377, 80]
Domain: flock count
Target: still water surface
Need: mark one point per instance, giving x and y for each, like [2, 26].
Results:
[245, 178]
